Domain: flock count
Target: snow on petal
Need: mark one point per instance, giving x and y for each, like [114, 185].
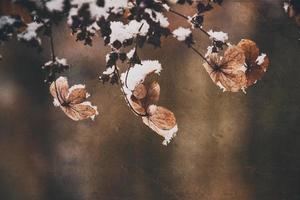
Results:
[138, 72]
[260, 59]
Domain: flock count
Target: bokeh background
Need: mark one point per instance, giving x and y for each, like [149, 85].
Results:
[230, 146]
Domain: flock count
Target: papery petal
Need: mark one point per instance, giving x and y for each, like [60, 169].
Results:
[59, 89]
[250, 49]
[80, 111]
[77, 94]
[153, 93]
[140, 91]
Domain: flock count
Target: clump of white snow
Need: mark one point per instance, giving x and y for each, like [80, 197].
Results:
[181, 33]
[31, 32]
[6, 20]
[138, 72]
[218, 36]
[121, 32]
[55, 5]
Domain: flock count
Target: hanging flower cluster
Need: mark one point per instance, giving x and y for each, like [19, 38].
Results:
[240, 66]
[130, 24]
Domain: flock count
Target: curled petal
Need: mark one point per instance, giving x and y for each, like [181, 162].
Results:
[137, 105]
[77, 94]
[140, 91]
[257, 71]
[80, 111]
[256, 65]
[59, 89]
[250, 49]
[163, 122]
[162, 118]
[153, 93]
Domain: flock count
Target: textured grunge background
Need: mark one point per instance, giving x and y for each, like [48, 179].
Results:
[229, 146]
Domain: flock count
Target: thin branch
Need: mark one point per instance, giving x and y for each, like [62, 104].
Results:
[52, 45]
[200, 54]
[185, 17]
[135, 53]
[199, 27]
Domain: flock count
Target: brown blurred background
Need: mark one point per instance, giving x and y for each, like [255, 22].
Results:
[229, 146]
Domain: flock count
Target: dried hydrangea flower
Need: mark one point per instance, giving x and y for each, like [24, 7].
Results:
[72, 100]
[256, 64]
[228, 72]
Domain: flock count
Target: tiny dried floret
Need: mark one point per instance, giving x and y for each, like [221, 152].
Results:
[72, 100]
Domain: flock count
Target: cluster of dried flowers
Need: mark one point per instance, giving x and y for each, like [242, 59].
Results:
[131, 24]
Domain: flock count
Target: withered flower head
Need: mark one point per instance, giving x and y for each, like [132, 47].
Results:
[72, 100]
[228, 72]
[143, 99]
[256, 64]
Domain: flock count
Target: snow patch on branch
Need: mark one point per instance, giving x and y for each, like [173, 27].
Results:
[55, 5]
[31, 32]
[218, 36]
[121, 32]
[181, 33]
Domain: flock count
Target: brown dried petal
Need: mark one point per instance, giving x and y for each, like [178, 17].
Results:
[77, 94]
[59, 89]
[137, 105]
[233, 59]
[257, 71]
[140, 91]
[80, 111]
[162, 118]
[153, 93]
[250, 49]
[232, 83]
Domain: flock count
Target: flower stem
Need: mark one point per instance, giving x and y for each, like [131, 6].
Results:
[200, 54]
[52, 45]
[185, 17]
